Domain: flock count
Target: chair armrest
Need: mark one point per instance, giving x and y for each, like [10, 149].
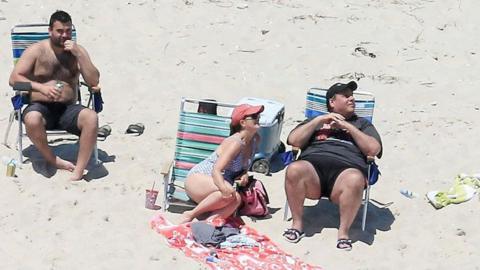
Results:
[22, 86]
[165, 170]
[91, 89]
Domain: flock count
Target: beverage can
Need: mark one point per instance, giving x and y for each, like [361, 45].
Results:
[59, 85]
[11, 169]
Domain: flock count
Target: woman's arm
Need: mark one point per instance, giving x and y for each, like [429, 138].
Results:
[227, 151]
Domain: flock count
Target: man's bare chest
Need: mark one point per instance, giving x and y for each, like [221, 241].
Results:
[49, 66]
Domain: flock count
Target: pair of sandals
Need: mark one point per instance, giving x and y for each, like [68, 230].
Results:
[294, 236]
[105, 130]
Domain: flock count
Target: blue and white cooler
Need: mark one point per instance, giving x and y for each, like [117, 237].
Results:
[271, 122]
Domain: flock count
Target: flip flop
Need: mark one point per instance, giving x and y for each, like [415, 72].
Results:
[137, 128]
[344, 244]
[293, 235]
[104, 131]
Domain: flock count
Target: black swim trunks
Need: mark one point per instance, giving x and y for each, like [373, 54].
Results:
[58, 115]
[328, 170]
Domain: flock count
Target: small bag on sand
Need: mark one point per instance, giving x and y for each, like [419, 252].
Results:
[254, 199]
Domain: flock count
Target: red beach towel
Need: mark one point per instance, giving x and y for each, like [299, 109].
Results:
[265, 256]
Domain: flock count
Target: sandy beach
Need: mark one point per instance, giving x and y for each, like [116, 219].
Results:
[420, 58]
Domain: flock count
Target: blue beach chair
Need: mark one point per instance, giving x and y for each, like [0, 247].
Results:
[198, 135]
[22, 37]
[364, 106]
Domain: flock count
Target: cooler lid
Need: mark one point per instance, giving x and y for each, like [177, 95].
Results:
[271, 111]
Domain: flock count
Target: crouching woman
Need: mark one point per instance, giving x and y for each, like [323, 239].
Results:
[210, 183]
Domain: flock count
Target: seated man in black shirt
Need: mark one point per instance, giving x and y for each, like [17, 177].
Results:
[332, 162]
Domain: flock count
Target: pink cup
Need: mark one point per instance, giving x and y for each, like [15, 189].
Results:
[150, 199]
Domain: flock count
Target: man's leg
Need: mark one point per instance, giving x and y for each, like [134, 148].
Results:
[347, 193]
[35, 127]
[88, 125]
[301, 181]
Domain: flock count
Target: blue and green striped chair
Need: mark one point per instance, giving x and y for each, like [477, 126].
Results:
[364, 105]
[22, 37]
[198, 135]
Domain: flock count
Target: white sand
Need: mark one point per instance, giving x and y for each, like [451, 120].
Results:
[151, 53]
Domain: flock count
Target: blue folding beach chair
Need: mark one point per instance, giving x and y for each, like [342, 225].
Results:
[198, 135]
[22, 37]
[364, 105]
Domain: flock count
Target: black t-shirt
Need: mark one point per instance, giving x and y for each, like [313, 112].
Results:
[339, 145]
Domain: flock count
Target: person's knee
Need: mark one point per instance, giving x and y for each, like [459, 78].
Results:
[87, 118]
[294, 172]
[33, 119]
[354, 180]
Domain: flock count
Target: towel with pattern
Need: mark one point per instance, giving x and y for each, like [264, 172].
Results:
[266, 255]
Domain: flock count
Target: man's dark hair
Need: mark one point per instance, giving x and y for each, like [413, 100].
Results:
[60, 16]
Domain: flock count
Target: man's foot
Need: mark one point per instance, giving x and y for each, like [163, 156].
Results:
[293, 235]
[186, 217]
[344, 244]
[77, 176]
[64, 165]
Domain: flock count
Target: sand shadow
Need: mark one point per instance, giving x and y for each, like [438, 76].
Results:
[67, 151]
[325, 215]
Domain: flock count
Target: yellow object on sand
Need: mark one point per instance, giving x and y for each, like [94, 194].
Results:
[464, 189]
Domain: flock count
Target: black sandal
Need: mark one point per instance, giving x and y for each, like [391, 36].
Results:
[344, 244]
[293, 235]
[104, 131]
[137, 129]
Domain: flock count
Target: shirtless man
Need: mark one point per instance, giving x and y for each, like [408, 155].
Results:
[52, 67]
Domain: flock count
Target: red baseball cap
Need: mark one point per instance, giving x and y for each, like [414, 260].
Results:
[244, 110]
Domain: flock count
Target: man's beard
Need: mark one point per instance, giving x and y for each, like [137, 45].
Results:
[57, 42]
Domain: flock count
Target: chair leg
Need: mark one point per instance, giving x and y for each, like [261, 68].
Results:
[95, 154]
[166, 180]
[10, 122]
[287, 210]
[365, 207]
[19, 138]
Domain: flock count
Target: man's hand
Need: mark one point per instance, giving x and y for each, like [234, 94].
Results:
[332, 117]
[71, 46]
[340, 123]
[95, 89]
[51, 92]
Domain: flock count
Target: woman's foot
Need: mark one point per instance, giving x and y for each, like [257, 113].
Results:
[187, 216]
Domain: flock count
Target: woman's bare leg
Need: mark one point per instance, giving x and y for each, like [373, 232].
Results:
[229, 209]
[201, 189]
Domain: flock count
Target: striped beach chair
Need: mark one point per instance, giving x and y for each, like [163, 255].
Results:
[317, 105]
[22, 37]
[198, 135]
[364, 106]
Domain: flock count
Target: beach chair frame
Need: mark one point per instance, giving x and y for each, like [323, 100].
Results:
[22, 36]
[364, 107]
[198, 135]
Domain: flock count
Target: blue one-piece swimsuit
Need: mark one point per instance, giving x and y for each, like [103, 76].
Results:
[234, 169]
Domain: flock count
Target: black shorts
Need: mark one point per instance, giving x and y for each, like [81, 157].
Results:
[58, 115]
[328, 170]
